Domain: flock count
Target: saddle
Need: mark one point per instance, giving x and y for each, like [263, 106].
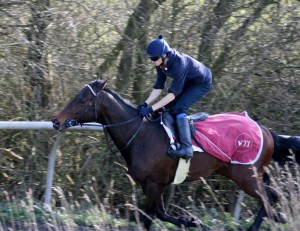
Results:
[168, 121]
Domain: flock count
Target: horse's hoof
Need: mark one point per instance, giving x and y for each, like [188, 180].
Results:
[194, 222]
[280, 218]
[197, 222]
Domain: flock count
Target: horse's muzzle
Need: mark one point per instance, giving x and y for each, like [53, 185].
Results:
[55, 123]
[68, 123]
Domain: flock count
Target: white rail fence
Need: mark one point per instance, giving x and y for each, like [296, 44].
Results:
[40, 125]
[45, 125]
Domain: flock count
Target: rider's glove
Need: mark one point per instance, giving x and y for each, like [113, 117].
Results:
[142, 105]
[145, 111]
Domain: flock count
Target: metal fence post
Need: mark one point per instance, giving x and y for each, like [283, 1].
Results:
[50, 172]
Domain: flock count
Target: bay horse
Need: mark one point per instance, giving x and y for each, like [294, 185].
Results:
[144, 145]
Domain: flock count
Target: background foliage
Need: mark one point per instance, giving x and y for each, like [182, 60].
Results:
[49, 49]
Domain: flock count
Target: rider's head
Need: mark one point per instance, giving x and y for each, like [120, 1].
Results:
[157, 48]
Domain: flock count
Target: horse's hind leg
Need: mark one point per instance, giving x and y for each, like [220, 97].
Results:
[258, 219]
[272, 197]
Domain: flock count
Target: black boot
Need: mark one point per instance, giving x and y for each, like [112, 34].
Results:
[186, 150]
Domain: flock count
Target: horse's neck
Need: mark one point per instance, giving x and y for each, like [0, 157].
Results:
[132, 138]
[114, 110]
[117, 114]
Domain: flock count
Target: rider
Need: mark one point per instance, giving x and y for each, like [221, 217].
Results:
[191, 81]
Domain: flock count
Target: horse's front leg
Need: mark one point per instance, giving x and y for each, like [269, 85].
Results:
[155, 206]
[162, 215]
[153, 193]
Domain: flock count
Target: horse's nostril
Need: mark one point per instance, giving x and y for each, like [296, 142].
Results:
[70, 123]
[55, 124]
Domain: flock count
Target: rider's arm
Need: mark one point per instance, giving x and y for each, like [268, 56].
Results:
[164, 101]
[158, 86]
[153, 95]
[157, 89]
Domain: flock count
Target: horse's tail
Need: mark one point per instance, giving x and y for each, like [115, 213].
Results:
[285, 148]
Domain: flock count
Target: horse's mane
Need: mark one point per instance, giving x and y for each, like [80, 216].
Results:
[116, 96]
[119, 98]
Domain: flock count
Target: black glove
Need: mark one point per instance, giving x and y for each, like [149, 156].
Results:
[142, 105]
[145, 111]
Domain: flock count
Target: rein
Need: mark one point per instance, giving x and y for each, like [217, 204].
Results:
[105, 126]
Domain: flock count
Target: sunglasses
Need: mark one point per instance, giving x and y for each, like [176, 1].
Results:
[155, 58]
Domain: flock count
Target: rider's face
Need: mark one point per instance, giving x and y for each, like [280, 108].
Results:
[156, 62]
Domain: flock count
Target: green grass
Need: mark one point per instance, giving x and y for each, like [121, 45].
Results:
[29, 214]
[33, 216]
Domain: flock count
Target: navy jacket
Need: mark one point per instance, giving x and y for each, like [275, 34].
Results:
[182, 69]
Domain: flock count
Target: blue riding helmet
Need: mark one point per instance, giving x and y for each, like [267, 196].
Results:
[158, 47]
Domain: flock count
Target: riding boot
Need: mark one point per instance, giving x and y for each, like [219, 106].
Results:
[185, 151]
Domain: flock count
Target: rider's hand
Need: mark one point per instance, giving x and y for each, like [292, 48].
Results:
[145, 111]
[142, 105]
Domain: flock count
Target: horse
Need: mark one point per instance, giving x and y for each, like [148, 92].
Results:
[144, 146]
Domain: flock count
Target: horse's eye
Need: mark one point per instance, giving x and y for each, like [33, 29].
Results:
[82, 101]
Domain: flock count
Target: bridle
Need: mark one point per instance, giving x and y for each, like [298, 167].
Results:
[73, 122]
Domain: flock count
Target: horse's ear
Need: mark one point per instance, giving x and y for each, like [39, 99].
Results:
[104, 84]
[99, 77]
[102, 81]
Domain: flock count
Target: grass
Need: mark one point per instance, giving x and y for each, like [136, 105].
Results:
[32, 215]
[29, 214]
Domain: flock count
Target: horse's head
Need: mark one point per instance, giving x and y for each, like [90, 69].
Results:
[81, 109]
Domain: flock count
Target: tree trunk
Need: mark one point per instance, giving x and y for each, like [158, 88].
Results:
[37, 86]
[224, 57]
[134, 39]
[215, 22]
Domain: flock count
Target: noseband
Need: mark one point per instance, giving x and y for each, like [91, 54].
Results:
[73, 122]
